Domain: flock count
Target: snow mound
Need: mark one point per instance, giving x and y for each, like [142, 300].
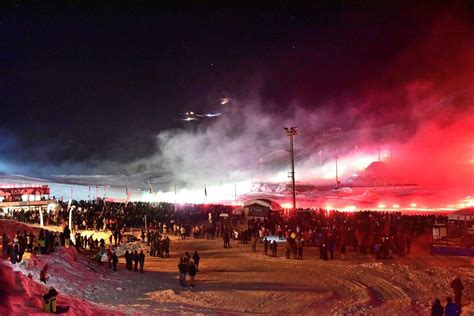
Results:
[24, 296]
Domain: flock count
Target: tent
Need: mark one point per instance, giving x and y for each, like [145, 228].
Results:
[271, 205]
[465, 214]
[261, 207]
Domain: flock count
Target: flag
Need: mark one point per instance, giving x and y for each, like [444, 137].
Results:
[129, 195]
[205, 191]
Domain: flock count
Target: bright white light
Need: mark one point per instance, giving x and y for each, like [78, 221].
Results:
[190, 119]
[215, 194]
[224, 100]
[413, 204]
[287, 205]
[350, 208]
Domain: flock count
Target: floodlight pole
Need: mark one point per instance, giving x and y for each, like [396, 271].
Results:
[292, 131]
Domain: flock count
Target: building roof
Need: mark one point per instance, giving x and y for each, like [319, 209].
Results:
[462, 214]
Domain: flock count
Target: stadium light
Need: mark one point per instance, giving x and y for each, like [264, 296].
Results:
[290, 132]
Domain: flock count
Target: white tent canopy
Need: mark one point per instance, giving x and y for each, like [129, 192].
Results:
[465, 214]
[271, 205]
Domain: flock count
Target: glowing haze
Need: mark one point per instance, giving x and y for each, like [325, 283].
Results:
[418, 113]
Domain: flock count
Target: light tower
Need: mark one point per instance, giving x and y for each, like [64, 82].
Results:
[292, 131]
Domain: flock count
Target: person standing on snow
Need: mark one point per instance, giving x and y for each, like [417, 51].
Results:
[5, 246]
[183, 268]
[451, 309]
[141, 260]
[457, 287]
[274, 248]
[196, 259]
[114, 261]
[44, 274]
[135, 261]
[437, 309]
[66, 235]
[299, 248]
[166, 247]
[128, 260]
[192, 273]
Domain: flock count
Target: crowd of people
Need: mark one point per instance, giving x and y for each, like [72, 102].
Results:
[100, 215]
[14, 248]
[383, 235]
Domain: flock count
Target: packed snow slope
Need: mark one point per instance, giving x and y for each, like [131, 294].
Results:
[238, 281]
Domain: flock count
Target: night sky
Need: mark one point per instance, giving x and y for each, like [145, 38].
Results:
[87, 84]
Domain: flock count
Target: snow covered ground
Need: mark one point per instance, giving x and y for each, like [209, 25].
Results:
[238, 281]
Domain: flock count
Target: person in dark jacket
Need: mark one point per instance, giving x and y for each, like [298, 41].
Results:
[196, 259]
[116, 236]
[67, 235]
[323, 251]
[437, 309]
[166, 247]
[331, 245]
[299, 248]
[274, 248]
[135, 261]
[128, 260]
[192, 273]
[22, 246]
[451, 309]
[183, 269]
[5, 242]
[30, 240]
[14, 250]
[141, 260]
[114, 261]
[44, 274]
[457, 287]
